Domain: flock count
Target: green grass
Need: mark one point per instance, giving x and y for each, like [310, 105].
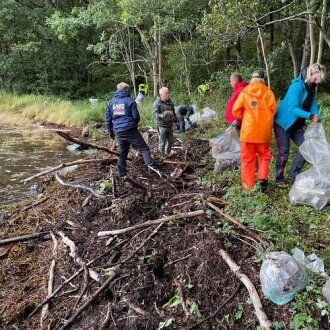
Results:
[51, 109]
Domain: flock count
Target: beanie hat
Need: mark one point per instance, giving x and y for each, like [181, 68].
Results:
[258, 74]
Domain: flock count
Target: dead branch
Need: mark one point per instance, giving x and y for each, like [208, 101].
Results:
[179, 204]
[142, 244]
[237, 223]
[262, 317]
[85, 144]
[45, 308]
[152, 223]
[137, 309]
[45, 301]
[217, 200]
[23, 238]
[135, 184]
[91, 299]
[34, 204]
[182, 298]
[76, 162]
[107, 318]
[78, 186]
[76, 257]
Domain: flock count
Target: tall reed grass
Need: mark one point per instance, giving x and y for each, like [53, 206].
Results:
[51, 109]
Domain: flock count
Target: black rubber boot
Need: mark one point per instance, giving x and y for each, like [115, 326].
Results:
[264, 186]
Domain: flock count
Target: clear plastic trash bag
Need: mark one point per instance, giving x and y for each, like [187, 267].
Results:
[281, 277]
[312, 261]
[195, 118]
[226, 149]
[208, 114]
[312, 187]
[326, 291]
[140, 98]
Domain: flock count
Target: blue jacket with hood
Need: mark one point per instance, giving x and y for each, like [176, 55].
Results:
[122, 113]
[290, 108]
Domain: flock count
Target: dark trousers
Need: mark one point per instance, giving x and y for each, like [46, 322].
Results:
[125, 140]
[296, 134]
[181, 125]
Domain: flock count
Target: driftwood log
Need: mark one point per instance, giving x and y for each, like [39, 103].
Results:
[85, 144]
[152, 223]
[78, 186]
[261, 315]
[76, 162]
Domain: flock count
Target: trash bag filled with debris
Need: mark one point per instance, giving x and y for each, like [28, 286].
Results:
[208, 114]
[281, 277]
[312, 187]
[226, 150]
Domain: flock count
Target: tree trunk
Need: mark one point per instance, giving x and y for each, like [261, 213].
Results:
[288, 37]
[264, 54]
[311, 7]
[259, 51]
[306, 50]
[160, 62]
[226, 57]
[271, 32]
[323, 21]
[185, 65]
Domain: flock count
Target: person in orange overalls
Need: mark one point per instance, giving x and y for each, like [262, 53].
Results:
[255, 107]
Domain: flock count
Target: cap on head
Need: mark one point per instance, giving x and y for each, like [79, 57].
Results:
[258, 74]
[122, 86]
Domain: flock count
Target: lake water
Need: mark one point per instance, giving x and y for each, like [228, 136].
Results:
[25, 152]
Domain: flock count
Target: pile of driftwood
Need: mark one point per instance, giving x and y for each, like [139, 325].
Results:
[116, 258]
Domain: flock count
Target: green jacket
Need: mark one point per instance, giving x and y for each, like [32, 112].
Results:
[158, 109]
[183, 111]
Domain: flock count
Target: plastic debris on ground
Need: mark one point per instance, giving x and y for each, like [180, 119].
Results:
[226, 150]
[312, 187]
[312, 261]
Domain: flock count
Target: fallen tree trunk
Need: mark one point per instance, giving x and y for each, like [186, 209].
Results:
[151, 223]
[23, 238]
[85, 144]
[262, 317]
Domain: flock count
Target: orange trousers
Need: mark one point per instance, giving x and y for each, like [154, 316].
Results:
[249, 154]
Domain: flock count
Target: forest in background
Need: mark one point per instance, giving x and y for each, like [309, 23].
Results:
[82, 48]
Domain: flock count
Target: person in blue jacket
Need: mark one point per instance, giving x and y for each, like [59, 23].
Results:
[298, 105]
[122, 118]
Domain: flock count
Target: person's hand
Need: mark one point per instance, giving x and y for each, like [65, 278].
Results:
[160, 116]
[315, 118]
[112, 135]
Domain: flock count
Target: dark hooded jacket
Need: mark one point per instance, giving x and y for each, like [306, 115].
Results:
[122, 113]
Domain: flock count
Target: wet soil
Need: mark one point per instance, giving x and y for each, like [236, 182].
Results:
[146, 264]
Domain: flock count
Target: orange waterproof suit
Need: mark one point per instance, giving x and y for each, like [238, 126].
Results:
[255, 107]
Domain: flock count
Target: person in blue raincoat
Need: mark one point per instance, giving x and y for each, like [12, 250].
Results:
[298, 105]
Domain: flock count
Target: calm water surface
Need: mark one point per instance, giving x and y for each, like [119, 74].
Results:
[25, 152]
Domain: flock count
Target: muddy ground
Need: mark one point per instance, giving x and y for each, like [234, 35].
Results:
[145, 268]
